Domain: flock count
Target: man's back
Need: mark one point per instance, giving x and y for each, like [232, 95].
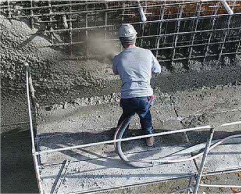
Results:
[135, 67]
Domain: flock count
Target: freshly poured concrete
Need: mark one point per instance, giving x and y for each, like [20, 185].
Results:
[99, 168]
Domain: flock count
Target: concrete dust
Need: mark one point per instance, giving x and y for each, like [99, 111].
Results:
[98, 46]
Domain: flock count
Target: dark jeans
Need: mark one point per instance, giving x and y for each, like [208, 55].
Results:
[141, 106]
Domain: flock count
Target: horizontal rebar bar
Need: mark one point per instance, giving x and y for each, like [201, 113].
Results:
[190, 32]
[200, 44]
[186, 18]
[164, 60]
[197, 57]
[113, 9]
[162, 48]
[134, 23]
[149, 36]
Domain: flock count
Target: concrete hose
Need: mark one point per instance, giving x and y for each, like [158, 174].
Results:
[166, 160]
[118, 135]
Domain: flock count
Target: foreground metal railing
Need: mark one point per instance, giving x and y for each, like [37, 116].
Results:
[36, 153]
[35, 159]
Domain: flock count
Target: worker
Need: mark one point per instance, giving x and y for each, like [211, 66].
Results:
[135, 66]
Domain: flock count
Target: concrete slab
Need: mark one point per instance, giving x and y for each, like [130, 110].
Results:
[111, 172]
[76, 118]
[214, 119]
[100, 173]
[79, 118]
[223, 157]
[207, 100]
[99, 168]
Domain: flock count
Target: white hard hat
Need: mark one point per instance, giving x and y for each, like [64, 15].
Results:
[127, 31]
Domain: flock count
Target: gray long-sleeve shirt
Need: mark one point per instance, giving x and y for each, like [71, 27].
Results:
[135, 66]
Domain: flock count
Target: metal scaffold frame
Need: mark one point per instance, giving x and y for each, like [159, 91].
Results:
[36, 152]
[173, 30]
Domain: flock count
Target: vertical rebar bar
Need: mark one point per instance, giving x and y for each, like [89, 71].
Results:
[70, 28]
[9, 10]
[226, 32]
[106, 20]
[123, 11]
[239, 43]
[198, 10]
[122, 20]
[178, 29]
[165, 37]
[50, 22]
[86, 31]
[225, 37]
[31, 14]
[162, 10]
[208, 144]
[211, 33]
[142, 33]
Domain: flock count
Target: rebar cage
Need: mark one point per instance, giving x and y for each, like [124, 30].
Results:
[174, 30]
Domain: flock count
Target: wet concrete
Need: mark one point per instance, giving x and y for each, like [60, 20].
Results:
[58, 78]
[166, 83]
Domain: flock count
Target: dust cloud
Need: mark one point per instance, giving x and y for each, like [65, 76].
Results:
[98, 44]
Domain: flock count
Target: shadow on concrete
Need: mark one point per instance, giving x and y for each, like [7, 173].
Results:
[17, 169]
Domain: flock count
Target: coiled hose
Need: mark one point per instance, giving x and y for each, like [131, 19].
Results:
[166, 160]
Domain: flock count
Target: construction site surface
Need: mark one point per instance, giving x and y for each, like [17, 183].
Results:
[99, 168]
[62, 51]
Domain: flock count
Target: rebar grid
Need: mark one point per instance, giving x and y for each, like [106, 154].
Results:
[174, 30]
